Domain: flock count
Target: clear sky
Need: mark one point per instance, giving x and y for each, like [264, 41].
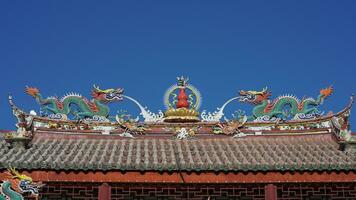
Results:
[294, 47]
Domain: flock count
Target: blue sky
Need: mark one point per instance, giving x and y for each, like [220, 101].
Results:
[294, 47]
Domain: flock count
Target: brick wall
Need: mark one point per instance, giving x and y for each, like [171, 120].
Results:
[317, 191]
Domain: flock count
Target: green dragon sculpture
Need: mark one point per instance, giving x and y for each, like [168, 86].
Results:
[283, 106]
[77, 105]
[16, 184]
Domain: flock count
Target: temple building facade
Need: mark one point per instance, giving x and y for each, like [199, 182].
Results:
[74, 148]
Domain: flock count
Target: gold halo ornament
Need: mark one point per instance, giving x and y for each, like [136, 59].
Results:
[182, 101]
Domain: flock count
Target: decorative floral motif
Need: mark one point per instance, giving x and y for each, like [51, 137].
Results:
[184, 133]
[129, 125]
[230, 127]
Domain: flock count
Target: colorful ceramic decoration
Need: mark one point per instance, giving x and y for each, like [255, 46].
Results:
[17, 184]
[182, 102]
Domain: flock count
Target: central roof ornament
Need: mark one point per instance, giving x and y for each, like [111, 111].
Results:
[182, 102]
[76, 113]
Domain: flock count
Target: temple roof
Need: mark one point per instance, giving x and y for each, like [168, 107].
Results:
[56, 151]
[75, 133]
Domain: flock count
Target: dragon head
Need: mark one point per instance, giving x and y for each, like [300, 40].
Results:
[108, 95]
[22, 183]
[32, 91]
[254, 97]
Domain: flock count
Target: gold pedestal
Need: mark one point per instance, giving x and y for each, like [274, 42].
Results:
[181, 115]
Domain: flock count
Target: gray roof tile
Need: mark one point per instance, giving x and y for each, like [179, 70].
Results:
[314, 152]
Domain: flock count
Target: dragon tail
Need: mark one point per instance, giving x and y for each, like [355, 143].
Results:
[324, 93]
[35, 93]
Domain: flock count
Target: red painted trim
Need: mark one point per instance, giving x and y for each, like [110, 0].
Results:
[271, 177]
[67, 135]
[6, 131]
[175, 177]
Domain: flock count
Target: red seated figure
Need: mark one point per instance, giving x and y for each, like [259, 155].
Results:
[182, 99]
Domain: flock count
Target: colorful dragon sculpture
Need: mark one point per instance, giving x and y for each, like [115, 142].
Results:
[77, 105]
[129, 125]
[17, 184]
[284, 106]
[230, 127]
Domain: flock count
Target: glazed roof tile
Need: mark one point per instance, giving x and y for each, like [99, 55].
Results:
[281, 153]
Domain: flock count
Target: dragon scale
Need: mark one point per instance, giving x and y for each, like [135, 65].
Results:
[13, 187]
[283, 106]
[8, 192]
[78, 105]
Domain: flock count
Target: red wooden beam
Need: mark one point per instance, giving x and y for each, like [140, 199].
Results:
[184, 177]
[270, 177]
